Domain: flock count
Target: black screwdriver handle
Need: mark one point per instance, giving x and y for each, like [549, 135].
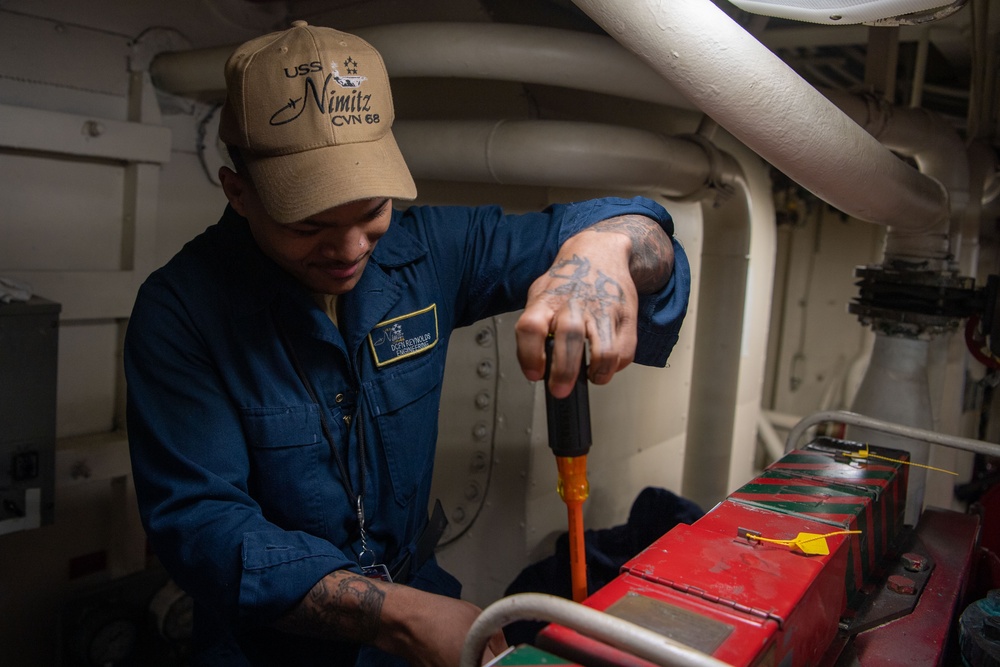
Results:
[568, 418]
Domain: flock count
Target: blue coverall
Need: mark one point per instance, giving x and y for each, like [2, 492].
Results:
[239, 493]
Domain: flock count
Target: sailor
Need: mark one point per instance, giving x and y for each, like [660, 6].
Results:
[284, 368]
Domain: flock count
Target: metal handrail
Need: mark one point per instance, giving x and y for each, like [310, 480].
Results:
[911, 432]
[605, 628]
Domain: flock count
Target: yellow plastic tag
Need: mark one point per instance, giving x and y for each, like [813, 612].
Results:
[867, 454]
[810, 544]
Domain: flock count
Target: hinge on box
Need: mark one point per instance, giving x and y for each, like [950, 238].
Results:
[705, 595]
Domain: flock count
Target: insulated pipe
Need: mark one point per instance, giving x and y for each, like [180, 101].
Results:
[769, 436]
[838, 164]
[557, 153]
[761, 101]
[611, 630]
[939, 153]
[524, 54]
[895, 388]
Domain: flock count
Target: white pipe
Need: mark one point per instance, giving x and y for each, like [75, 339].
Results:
[611, 630]
[556, 153]
[748, 90]
[839, 163]
[525, 54]
[782, 419]
[895, 389]
[939, 153]
[920, 69]
[772, 443]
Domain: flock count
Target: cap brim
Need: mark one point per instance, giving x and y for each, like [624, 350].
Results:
[297, 186]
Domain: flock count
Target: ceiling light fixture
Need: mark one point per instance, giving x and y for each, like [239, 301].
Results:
[846, 12]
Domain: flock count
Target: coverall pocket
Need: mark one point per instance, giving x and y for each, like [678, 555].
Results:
[286, 452]
[406, 400]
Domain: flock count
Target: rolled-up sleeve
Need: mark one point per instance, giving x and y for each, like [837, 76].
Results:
[277, 566]
[662, 313]
[499, 255]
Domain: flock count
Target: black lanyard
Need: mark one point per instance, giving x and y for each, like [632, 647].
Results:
[355, 499]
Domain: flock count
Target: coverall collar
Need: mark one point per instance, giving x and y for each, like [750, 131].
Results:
[362, 308]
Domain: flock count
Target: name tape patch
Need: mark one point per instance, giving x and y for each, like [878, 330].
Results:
[404, 336]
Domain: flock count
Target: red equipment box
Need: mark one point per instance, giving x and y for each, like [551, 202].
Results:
[750, 602]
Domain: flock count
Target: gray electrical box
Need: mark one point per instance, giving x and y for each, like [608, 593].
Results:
[29, 346]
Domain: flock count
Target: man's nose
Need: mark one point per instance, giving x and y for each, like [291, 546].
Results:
[348, 246]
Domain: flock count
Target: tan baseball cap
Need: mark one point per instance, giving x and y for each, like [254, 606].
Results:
[311, 111]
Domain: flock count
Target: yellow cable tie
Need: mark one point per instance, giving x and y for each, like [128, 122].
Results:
[866, 454]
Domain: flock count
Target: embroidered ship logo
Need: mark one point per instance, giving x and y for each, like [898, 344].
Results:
[395, 333]
[353, 80]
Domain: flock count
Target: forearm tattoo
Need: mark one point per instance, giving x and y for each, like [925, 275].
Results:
[596, 297]
[346, 608]
[652, 251]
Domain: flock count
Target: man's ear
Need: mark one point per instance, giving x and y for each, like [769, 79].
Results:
[236, 189]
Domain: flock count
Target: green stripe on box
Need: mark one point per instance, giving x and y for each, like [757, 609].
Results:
[529, 655]
[807, 510]
[805, 458]
[804, 490]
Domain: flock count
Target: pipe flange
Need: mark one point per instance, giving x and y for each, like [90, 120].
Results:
[913, 303]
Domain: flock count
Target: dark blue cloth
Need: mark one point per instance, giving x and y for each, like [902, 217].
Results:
[238, 490]
[654, 512]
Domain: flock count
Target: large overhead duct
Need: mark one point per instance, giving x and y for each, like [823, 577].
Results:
[750, 92]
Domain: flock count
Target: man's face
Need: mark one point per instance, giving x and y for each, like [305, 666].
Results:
[326, 252]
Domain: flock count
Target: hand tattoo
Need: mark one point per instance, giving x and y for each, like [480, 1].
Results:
[344, 608]
[651, 262]
[596, 298]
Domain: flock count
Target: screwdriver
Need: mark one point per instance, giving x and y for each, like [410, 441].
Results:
[570, 440]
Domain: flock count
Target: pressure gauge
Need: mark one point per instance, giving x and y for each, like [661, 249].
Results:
[104, 635]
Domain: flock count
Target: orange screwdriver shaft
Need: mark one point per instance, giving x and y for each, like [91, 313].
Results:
[569, 438]
[574, 489]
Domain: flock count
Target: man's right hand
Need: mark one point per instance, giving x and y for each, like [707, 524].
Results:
[426, 629]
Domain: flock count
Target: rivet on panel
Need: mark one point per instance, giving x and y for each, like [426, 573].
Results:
[484, 337]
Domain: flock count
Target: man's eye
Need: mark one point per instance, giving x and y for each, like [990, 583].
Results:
[303, 231]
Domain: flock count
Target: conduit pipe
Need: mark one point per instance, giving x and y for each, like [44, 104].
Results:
[748, 90]
[559, 154]
[525, 54]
